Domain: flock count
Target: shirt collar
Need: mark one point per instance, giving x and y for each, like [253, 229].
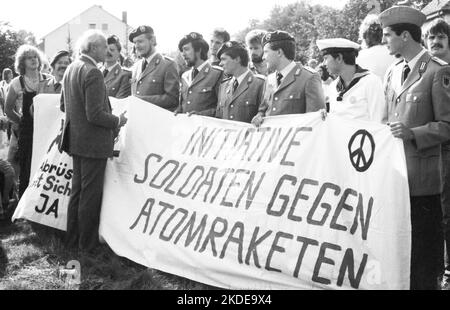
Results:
[412, 63]
[359, 73]
[199, 68]
[149, 58]
[242, 77]
[288, 69]
[111, 67]
[90, 58]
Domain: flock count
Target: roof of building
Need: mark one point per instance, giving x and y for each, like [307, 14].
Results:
[436, 6]
[90, 8]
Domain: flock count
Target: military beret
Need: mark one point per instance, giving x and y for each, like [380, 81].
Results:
[193, 36]
[230, 45]
[140, 30]
[402, 15]
[57, 56]
[276, 36]
[336, 45]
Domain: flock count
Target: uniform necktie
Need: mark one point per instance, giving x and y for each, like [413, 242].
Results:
[56, 86]
[194, 73]
[105, 73]
[279, 77]
[144, 65]
[406, 71]
[235, 85]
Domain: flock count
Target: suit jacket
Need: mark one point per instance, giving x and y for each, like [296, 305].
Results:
[423, 105]
[158, 84]
[118, 82]
[299, 92]
[201, 96]
[89, 124]
[243, 104]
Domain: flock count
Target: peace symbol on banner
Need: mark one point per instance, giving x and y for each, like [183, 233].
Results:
[361, 149]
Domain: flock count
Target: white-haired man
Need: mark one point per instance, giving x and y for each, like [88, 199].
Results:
[88, 135]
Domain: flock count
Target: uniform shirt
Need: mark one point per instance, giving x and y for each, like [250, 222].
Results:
[299, 92]
[201, 94]
[397, 71]
[117, 82]
[363, 101]
[242, 104]
[159, 83]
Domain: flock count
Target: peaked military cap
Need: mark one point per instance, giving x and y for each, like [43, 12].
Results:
[335, 45]
[276, 36]
[140, 30]
[402, 15]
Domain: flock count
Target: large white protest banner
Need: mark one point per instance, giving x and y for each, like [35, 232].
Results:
[47, 197]
[301, 203]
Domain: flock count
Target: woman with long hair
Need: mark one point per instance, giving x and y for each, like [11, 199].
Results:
[23, 88]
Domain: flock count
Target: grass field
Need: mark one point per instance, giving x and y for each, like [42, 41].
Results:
[32, 257]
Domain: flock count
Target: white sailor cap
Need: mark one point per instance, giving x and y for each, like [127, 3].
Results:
[335, 45]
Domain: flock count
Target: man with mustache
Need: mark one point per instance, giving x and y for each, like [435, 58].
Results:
[155, 77]
[199, 86]
[253, 40]
[437, 38]
[417, 92]
[59, 64]
[117, 79]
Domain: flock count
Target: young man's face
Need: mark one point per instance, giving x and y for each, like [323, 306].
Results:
[189, 54]
[332, 64]
[216, 43]
[438, 44]
[113, 54]
[143, 45]
[393, 42]
[229, 64]
[271, 57]
[256, 52]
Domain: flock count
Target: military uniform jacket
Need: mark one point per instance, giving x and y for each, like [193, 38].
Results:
[201, 96]
[243, 104]
[299, 92]
[158, 84]
[118, 82]
[423, 105]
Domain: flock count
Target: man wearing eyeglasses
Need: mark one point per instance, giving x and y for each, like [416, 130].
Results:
[357, 93]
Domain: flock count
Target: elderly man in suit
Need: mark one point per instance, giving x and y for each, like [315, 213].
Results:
[292, 88]
[155, 77]
[241, 93]
[117, 79]
[200, 85]
[88, 136]
[417, 91]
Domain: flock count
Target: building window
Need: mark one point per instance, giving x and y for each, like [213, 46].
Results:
[105, 27]
[92, 26]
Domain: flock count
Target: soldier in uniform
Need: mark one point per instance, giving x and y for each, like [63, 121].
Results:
[357, 93]
[253, 40]
[155, 77]
[59, 64]
[219, 37]
[241, 93]
[292, 88]
[117, 79]
[200, 85]
[417, 93]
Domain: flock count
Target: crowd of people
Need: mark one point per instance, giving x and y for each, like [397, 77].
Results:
[399, 77]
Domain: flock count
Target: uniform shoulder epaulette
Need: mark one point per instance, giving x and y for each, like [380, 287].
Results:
[218, 68]
[226, 79]
[439, 61]
[168, 58]
[260, 76]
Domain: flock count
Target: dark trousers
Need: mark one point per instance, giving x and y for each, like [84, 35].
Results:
[427, 247]
[445, 199]
[83, 214]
